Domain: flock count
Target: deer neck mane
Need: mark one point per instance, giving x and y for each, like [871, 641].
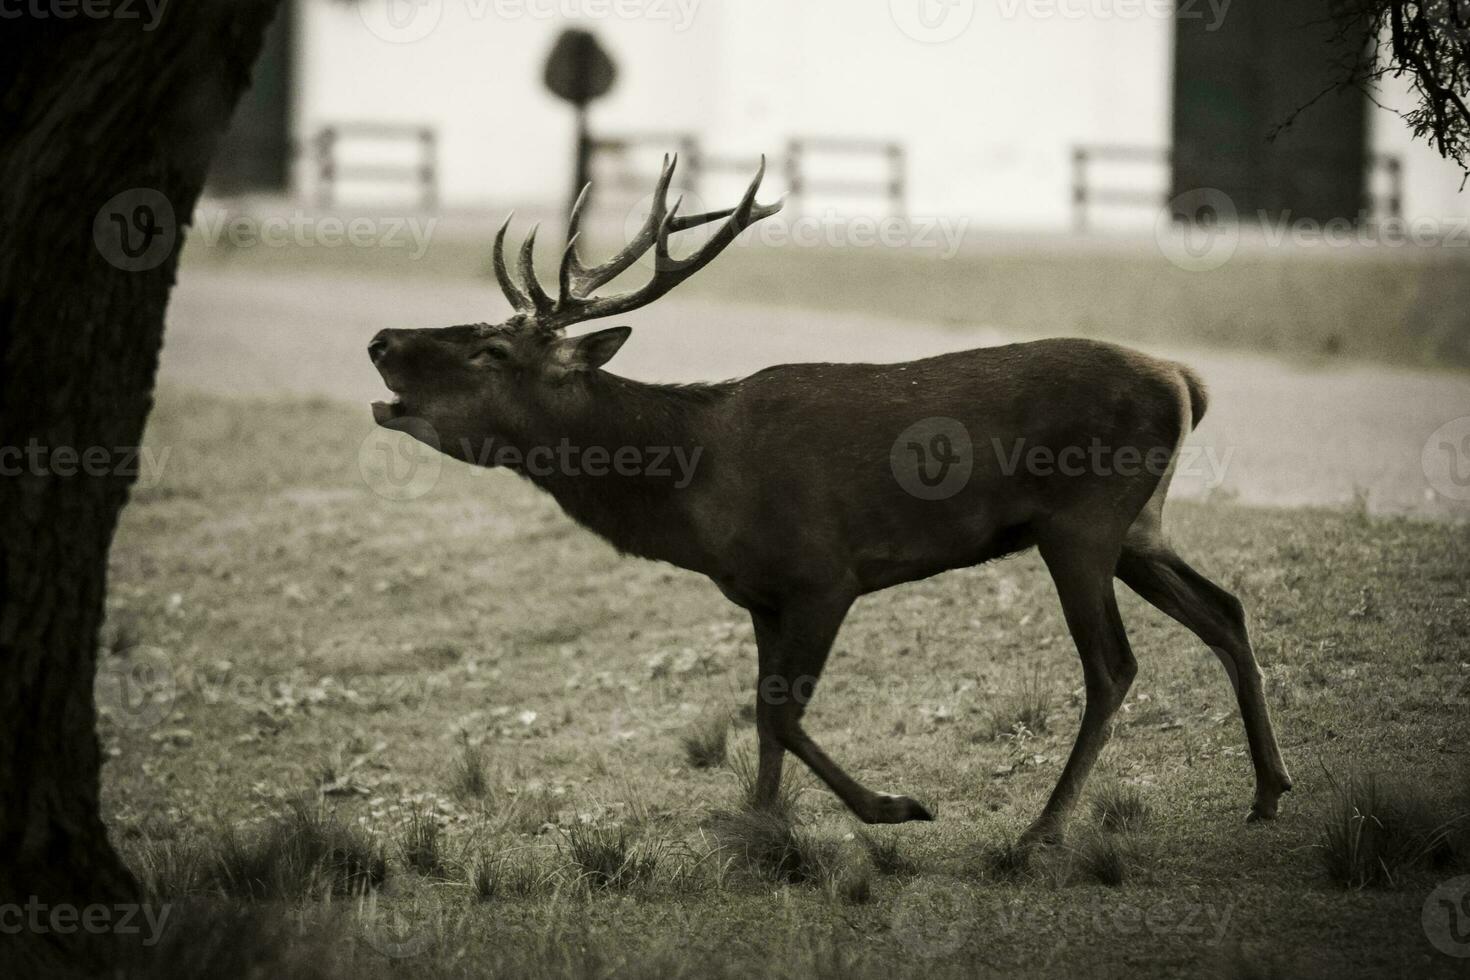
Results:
[626, 458]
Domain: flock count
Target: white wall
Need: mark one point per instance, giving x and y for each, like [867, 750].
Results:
[988, 116]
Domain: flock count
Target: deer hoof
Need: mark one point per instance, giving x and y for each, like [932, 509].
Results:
[1040, 835]
[1265, 805]
[897, 809]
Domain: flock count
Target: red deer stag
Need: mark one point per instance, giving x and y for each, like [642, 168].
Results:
[816, 483]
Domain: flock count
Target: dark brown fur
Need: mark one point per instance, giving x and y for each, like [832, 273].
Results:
[794, 509]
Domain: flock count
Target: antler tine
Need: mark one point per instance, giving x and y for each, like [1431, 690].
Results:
[740, 217]
[572, 270]
[574, 221]
[518, 300]
[661, 257]
[587, 279]
[541, 302]
[668, 271]
[565, 297]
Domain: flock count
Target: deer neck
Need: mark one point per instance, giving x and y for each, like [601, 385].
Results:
[625, 462]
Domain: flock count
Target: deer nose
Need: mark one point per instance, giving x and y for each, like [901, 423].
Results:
[378, 346]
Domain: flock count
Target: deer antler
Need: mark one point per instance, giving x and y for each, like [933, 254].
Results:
[574, 301]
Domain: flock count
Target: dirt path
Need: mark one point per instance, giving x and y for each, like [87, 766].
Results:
[1276, 434]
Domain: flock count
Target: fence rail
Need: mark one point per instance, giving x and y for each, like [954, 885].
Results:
[332, 169]
[802, 177]
[1086, 193]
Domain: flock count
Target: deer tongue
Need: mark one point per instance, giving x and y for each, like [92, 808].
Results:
[385, 412]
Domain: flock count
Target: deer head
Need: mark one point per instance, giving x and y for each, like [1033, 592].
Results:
[511, 380]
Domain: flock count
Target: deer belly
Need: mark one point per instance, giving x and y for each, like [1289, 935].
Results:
[906, 551]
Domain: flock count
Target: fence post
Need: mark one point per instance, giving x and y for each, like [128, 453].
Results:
[694, 164]
[1079, 188]
[429, 171]
[898, 178]
[793, 173]
[325, 169]
[1395, 187]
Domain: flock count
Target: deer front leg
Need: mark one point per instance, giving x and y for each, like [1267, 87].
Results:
[770, 752]
[794, 643]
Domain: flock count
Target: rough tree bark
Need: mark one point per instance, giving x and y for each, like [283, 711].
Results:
[90, 107]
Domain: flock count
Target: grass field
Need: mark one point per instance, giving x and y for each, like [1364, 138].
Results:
[545, 744]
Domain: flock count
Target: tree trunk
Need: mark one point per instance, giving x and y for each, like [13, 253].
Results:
[90, 108]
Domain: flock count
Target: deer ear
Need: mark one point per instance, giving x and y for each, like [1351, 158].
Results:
[591, 351]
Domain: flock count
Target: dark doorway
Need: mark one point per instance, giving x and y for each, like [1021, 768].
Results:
[255, 152]
[1240, 76]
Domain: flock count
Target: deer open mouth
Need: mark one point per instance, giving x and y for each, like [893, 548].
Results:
[386, 412]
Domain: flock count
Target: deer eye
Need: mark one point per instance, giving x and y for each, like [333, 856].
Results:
[491, 355]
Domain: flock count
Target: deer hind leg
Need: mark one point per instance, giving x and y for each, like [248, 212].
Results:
[794, 644]
[1081, 566]
[1150, 567]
